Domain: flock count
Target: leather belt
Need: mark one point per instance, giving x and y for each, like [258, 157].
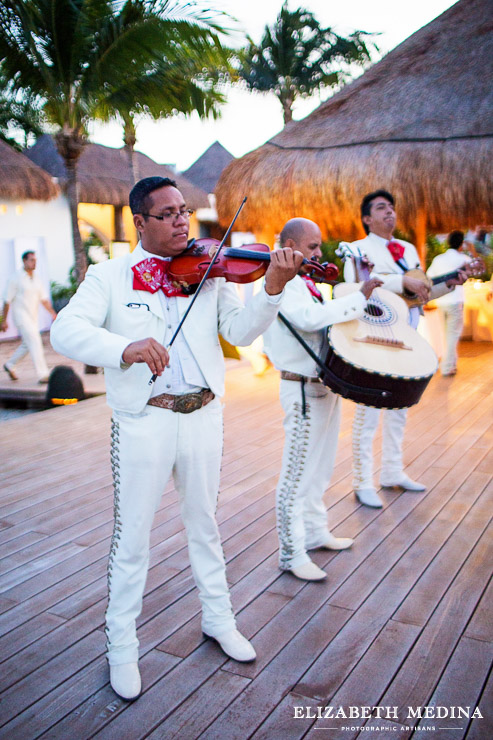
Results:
[184, 404]
[287, 375]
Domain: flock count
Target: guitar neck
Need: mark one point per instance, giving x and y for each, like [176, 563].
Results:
[444, 278]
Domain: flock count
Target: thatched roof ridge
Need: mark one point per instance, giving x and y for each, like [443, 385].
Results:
[103, 173]
[419, 123]
[21, 179]
[206, 170]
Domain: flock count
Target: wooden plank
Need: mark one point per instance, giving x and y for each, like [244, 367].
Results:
[52, 645]
[417, 679]
[19, 637]
[444, 510]
[353, 641]
[367, 682]
[482, 728]
[84, 700]
[460, 685]
[257, 701]
[419, 605]
[481, 625]
[41, 681]
[165, 696]
[201, 708]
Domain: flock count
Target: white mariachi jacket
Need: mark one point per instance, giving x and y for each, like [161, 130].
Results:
[375, 248]
[310, 318]
[100, 322]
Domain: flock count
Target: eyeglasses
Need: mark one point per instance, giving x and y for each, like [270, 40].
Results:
[170, 216]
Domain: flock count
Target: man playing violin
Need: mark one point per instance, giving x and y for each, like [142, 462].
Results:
[312, 411]
[391, 258]
[122, 317]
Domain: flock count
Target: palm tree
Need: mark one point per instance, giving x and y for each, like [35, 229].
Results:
[192, 83]
[71, 56]
[296, 57]
[18, 115]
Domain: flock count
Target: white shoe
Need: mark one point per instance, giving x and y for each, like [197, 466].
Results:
[369, 497]
[125, 680]
[405, 482]
[308, 572]
[235, 646]
[337, 543]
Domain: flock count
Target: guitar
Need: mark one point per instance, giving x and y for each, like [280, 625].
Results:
[473, 269]
[378, 360]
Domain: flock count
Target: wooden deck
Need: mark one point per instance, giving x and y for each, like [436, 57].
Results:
[403, 620]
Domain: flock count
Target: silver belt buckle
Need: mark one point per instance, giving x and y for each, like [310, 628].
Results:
[188, 403]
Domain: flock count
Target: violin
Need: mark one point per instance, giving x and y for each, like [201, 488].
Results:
[236, 264]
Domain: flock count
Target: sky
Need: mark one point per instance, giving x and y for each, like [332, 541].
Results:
[249, 119]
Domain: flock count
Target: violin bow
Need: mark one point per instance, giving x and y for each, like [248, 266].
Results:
[204, 278]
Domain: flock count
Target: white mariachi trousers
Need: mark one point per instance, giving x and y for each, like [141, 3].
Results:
[308, 460]
[31, 342]
[453, 317]
[365, 423]
[146, 449]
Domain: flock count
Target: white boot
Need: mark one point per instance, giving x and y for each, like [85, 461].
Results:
[308, 572]
[404, 481]
[235, 646]
[125, 680]
[369, 497]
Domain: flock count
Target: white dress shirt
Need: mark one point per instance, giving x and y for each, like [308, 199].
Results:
[24, 293]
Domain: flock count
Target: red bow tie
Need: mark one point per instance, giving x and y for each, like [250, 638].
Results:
[151, 274]
[396, 250]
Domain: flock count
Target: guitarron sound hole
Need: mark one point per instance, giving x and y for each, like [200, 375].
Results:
[373, 310]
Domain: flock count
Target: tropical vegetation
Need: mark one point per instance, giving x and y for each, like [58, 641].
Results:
[80, 60]
[297, 57]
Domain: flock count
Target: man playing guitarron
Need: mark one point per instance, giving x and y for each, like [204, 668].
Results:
[312, 411]
[391, 258]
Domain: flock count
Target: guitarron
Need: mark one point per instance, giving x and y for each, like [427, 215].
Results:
[378, 360]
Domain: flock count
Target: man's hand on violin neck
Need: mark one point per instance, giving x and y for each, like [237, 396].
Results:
[149, 351]
[284, 265]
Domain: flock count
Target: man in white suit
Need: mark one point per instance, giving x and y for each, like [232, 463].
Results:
[122, 317]
[312, 411]
[391, 258]
[25, 292]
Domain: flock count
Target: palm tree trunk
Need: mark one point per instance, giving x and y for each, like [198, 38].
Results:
[73, 200]
[130, 137]
[70, 144]
[287, 108]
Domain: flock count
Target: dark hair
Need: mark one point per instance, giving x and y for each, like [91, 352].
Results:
[455, 239]
[138, 198]
[367, 201]
[26, 254]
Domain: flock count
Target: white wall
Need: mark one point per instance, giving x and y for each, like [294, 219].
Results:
[44, 227]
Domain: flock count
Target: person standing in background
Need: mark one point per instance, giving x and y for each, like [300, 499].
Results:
[451, 304]
[24, 293]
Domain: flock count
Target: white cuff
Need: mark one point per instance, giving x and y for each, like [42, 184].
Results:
[274, 299]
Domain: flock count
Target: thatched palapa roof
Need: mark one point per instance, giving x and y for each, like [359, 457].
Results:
[20, 179]
[103, 173]
[419, 123]
[206, 170]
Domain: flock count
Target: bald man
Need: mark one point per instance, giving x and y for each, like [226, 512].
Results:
[312, 411]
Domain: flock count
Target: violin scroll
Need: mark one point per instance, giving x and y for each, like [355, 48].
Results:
[325, 272]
